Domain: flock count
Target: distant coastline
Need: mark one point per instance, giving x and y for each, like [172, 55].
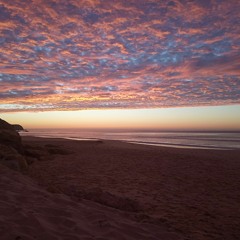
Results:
[19, 128]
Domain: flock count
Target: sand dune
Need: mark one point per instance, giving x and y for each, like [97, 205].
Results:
[29, 212]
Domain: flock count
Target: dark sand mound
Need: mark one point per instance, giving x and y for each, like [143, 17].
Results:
[28, 212]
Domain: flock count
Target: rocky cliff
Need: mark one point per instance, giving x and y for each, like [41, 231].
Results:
[11, 149]
[18, 127]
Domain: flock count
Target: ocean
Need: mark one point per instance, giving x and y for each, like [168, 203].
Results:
[200, 140]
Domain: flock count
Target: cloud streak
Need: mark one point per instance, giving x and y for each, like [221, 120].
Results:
[69, 55]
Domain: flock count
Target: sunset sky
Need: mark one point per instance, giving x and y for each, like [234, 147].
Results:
[115, 63]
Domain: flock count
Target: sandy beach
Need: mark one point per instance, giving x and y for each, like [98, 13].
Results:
[116, 190]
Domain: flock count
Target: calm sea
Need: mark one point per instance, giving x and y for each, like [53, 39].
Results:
[206, 140]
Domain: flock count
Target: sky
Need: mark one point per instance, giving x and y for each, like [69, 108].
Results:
[99, 59]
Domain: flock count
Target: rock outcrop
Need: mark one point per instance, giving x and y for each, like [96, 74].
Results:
[8, 136]
[11, 148]
[18, 127]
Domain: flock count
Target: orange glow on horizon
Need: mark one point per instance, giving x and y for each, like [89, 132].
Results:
[189, 118]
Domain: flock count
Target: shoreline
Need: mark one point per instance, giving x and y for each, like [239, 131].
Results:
[172, 145]
[157, 144]
[192, 190]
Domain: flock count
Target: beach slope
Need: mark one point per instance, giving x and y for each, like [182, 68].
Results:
[192, 192]
[29, 212]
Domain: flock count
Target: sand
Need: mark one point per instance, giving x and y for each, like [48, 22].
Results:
[29, 212]
[116, 190]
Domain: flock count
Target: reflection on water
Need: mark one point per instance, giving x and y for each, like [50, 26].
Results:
[223, 140]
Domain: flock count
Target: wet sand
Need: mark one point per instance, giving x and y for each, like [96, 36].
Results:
[193, 193]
